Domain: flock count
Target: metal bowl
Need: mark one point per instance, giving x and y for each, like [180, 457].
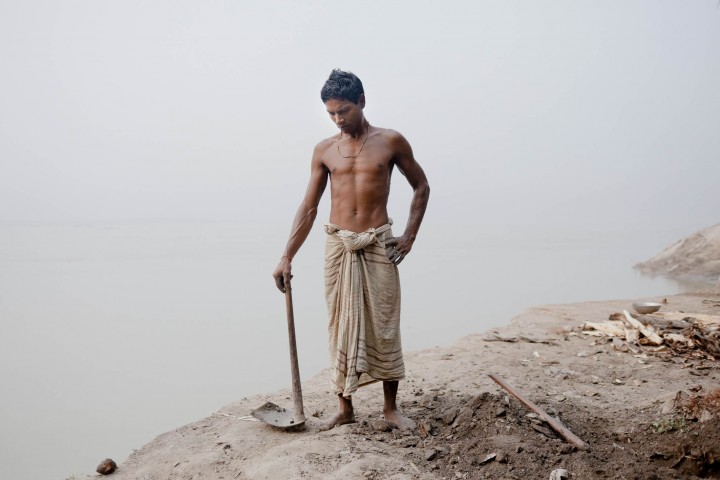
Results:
[646, 307]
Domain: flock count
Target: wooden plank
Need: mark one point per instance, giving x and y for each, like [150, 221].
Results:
[652, 337]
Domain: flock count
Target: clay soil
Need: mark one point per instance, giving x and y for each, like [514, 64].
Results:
[625, 406]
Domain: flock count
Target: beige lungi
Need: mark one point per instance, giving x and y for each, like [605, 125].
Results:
[362, 290]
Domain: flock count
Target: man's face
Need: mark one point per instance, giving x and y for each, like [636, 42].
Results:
[346, 114]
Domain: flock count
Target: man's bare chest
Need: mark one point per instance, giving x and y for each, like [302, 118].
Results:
[373, 161]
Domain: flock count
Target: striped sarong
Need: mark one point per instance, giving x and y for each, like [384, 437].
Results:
[362, 290]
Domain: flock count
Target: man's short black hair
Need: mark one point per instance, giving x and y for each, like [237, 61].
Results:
[342, 86]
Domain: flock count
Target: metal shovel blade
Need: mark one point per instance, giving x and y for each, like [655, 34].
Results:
[271, 413]
[277, 416]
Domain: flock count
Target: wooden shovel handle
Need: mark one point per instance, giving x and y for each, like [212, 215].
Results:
[299, 414]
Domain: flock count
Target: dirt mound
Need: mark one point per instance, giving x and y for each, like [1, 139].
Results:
[493, 436]
[694, 257]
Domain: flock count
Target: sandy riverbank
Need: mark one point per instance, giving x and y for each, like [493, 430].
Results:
[612, 400]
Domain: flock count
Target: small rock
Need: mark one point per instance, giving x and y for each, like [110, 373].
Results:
[423, 429]
[488, 458]
[450, 416]
[567, 449]
[409, 442]
[559, 474]
[106, 467]
[518, 449]
[381, 426]
[430, 454]
[706, 416]
[502, 458]
[544, 429]
[500, 412]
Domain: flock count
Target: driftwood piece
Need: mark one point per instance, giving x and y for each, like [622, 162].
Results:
[554, 423]
[652, 337]
[496, 337]
[608, 327]
[661, 322]
[595, 333]
[632, 336]
[619, 345]
[700, 318]
[708, 342]
[675, 337]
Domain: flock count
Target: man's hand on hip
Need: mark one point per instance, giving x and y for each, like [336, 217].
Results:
[400, 247]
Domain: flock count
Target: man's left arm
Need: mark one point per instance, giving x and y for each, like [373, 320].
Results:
[413, 172]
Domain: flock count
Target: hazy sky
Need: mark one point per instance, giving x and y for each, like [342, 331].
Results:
[589, 113]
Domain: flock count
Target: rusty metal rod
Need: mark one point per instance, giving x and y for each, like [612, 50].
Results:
[554, 423]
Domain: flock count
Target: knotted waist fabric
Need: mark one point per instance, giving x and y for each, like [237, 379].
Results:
[362, 290]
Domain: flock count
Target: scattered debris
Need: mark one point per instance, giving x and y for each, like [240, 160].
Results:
[496, 337]
[696, 407]
[692, 335]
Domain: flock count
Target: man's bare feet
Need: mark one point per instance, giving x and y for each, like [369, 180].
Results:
[344, 416]
[392, 415]
[340, 418]
[399, 421]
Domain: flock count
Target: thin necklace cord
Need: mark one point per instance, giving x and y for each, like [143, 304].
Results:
[337, 143]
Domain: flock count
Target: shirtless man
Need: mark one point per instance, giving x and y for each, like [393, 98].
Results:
[359, 162]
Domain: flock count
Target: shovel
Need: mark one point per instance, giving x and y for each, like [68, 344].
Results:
[273, 414]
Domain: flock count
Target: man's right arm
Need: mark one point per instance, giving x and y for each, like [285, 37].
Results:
[304, 219]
